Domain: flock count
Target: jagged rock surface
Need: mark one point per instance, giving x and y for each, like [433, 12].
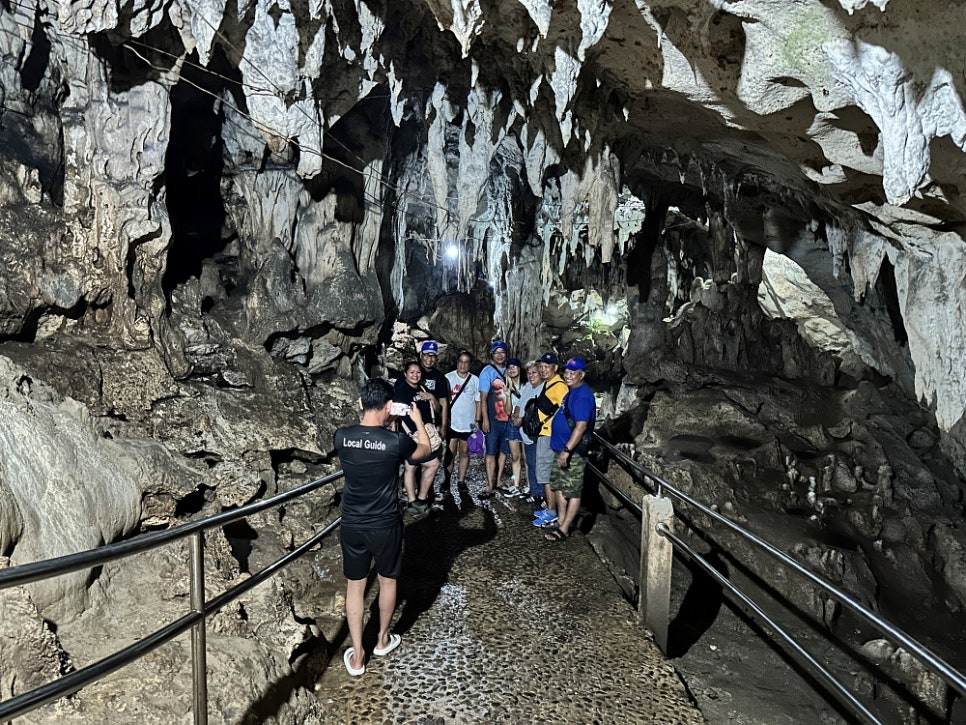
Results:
[212, 218]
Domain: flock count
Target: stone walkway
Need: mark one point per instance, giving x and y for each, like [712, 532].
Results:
[499, 625]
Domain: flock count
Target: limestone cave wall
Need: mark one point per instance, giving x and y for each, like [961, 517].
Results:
[215, 217]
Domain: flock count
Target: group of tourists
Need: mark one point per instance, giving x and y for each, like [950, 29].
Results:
[543, 425]
[555, 446]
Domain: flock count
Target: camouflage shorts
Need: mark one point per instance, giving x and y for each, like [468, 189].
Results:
[570, 480]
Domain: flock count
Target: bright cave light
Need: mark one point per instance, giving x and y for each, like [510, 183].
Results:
[452, 252]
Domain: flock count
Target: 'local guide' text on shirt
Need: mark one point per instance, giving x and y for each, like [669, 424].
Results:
[364, 443]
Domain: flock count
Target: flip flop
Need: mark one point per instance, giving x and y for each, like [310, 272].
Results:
[394, 640]
[557, 535]
[346, 658]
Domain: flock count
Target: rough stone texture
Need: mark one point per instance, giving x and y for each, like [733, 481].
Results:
[75, 492]
[835, 121]
[213, 217]
[828, 476]
[29, 650]
[499, 625]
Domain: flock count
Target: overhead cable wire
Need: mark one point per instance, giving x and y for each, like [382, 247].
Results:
[262, 126]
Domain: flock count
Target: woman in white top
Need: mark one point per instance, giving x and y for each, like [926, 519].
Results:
[464, 403]
[529, 391]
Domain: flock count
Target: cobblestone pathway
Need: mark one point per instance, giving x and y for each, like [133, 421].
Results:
[500, 626]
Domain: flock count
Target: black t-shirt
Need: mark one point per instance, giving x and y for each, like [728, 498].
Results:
[435, 382]
[406, 393]
[370, 457]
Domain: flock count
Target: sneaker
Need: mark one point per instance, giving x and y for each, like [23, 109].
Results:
[546, 522]
[543, 514]
[417, 508]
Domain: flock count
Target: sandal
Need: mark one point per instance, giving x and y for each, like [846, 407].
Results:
[508, 491]
[557, 535]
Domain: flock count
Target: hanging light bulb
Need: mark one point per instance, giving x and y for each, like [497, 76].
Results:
[452, 252]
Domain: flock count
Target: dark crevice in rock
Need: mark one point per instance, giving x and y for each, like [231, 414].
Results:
[240, 536]
[886, 286]
[193, 502]
[35, 65]
[193, 175]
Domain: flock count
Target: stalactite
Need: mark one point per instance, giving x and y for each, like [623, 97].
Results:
[468, 22]
[204, 19]
[603, 191]
[540, 12]
[563, 81]
[476, 149]
[594, 15]
[373, 216]
[909, 111]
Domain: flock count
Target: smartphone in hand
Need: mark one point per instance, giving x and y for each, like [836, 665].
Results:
[399, 409]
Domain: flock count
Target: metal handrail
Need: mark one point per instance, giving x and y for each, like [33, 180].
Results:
[953, 677]
[830, 679]
[74, 681]
[26, 573]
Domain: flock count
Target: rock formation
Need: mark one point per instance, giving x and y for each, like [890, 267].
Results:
[214, 217]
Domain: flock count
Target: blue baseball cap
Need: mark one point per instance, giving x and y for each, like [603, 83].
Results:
[498, 345]
[576, 363]
[514, 361]
[549, 358]
[429, 347]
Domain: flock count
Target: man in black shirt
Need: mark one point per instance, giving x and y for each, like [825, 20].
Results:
[435, 382]
[372, 525]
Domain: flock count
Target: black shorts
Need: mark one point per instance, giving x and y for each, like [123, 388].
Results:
[459, 435]
[361, 546]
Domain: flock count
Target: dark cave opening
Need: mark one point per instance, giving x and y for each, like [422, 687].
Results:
[193, 173]
[886, 284]
[35, 66]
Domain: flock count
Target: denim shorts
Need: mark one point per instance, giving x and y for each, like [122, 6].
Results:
[496, 436]
[513, 433]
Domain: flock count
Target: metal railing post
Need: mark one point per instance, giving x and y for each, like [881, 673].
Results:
[199, 655]
[657, 559]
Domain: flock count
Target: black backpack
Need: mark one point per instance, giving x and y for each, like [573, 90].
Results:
[532, 422]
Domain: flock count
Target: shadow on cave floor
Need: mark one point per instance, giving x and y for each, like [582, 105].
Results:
[499, 624]
[699, 608]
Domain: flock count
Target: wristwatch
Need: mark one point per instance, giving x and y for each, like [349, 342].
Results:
[567, 450]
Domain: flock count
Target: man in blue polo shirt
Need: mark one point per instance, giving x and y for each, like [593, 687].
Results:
[573, 419]
[494, 416]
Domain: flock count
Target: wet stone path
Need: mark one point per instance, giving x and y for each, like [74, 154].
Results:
[499, 625]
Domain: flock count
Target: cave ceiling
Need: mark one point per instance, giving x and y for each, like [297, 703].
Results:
[344, 145]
